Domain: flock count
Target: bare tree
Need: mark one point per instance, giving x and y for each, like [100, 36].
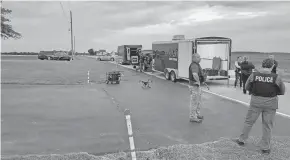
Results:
[6, 29]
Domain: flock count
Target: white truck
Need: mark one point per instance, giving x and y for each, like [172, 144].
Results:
[174, 57]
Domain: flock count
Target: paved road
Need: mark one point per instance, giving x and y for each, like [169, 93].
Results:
[72, 118]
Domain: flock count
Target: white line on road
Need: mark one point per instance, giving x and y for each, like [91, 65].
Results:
[130, 134]
[222, 96]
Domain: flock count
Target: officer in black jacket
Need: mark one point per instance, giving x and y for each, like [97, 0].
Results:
[246, 71]
[265, 87]
[196, 78]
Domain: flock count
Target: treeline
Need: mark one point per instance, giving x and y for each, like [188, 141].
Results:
[91, 52]
[32, 53]
[19, 53]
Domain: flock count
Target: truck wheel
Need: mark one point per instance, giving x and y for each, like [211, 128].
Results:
[172, 76]
[167, 75]
[99, 59]
[112, 59]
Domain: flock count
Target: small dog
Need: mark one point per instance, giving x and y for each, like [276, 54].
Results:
[146, 84]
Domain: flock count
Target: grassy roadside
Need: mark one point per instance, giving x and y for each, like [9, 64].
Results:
[222, 149]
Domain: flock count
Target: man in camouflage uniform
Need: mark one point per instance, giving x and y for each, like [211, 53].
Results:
[195, 79]
[265, 87]
[141, 61]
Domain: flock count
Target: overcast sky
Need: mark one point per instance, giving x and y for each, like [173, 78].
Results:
[253, 26]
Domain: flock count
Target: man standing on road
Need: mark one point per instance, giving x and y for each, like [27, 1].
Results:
[265, 87]
[153, 63]
[141, 62]
[246, 71]
[195, 79]
[238, 72]
[275, 62]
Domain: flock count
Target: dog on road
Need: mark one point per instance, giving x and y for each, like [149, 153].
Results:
[146, 84]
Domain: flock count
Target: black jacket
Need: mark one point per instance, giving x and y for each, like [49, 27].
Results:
[274, 70]
[246, 68]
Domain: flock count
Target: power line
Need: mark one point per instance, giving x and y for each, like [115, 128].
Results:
[63, 10]
[68, 20]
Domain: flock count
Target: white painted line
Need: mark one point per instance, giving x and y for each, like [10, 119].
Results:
[132, 146]
[129, 125]
[130, 134]
[225, 97]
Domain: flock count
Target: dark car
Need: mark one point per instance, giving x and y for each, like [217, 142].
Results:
[42, 55]
[60, 56]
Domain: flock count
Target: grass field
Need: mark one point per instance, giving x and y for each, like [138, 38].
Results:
[47, 104]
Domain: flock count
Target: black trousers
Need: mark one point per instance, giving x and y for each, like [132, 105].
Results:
[274, 70]
[238, 78]
[244, 80]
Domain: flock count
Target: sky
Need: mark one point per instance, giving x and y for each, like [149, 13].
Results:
[253, 26]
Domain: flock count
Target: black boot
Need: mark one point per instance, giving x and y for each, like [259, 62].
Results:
[239, 142]
[244, 91]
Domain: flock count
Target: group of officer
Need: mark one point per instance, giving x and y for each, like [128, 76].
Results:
[145, 61]
[264, 86]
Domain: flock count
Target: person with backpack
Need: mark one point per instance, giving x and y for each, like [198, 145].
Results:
[265, 87]
[246, 70]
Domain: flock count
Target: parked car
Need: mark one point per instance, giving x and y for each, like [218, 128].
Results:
[42, 55]
[105, 57]
[60, 56]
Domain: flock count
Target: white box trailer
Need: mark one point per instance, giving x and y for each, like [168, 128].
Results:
[174, 57]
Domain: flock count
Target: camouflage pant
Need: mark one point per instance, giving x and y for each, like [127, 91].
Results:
[195, 102]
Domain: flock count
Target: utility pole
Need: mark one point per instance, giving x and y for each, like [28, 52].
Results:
[71, 35]
[74, 45]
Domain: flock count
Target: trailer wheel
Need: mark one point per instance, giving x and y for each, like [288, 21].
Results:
[167, 75]
[172, 76]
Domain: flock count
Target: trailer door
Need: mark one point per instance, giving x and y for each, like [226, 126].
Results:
[208, 51]
[184, 58]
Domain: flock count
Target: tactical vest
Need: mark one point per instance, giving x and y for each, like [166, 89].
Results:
[190, 77]
[264, 84]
